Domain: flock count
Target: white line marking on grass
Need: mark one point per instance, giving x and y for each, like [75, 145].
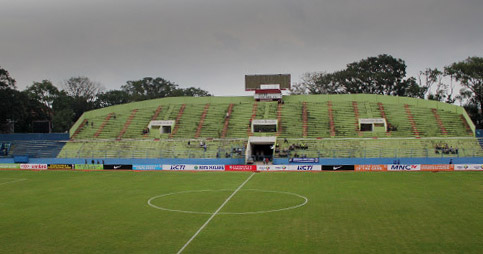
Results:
[305, 200]
[14, 181]
[215, 213]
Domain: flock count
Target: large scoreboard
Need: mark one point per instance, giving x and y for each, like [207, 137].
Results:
[254, 82]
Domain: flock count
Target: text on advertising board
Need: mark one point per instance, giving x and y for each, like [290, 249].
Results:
[147, 167]
[468, 167]
[403, 167]
[240, 168]
[370, 168]
[34, 166]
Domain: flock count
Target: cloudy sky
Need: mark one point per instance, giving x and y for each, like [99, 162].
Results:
[212, 44]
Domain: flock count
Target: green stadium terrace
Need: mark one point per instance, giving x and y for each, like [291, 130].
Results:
[326, 127]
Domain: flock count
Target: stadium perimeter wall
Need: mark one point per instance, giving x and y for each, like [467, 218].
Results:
[34, 136]
[322, 161]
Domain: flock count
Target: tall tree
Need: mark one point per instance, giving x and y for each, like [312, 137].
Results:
[318, 83]
[434, 86]
[112, 97]
[149, 88]
[193, 92]
[470, 74]
[44, 92]
[83, 93]
[82, 87]
[5, 80]
[64, 115]
[152, 88]
[383, 74]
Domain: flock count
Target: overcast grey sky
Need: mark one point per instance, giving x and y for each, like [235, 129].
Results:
[212, 44]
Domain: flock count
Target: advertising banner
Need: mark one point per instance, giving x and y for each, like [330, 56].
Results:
[89, 166]
[337, 167]
[370, 167]
[59, 166]
[148, 167]
[209, 167]
[437, 167]
[9, 166]
[34, 166]
[304, 160]
[194, 167]
[240, 167]
[175, 167]
[468, 167]
[304, 168]
[117, 166]
[403, 167]
[271, 167]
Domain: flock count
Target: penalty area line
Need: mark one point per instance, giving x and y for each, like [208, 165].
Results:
[214, 214]
[14, 181]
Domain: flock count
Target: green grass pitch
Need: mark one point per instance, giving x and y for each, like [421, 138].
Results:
[346, 212]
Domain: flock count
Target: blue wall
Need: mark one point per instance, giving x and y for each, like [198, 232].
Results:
[367, 161]
[479, 133]
[353, 161]
[34, 136]
[132, 161]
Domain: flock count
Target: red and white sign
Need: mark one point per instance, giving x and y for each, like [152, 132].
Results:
[34, 166]
[240, 167]
[370, 167]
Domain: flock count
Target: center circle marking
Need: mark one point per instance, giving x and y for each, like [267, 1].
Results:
[304, 202]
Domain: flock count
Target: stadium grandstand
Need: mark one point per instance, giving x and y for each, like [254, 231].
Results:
[309, 126]
[266, 127]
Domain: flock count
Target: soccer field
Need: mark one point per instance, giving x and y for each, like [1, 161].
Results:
[240, 212]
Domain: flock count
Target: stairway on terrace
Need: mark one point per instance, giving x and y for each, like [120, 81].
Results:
[266, 111]
[318, 125]
[455, 127]
[292, 122]
[344, 118]
[113, 125]
[139, 122]
[397, 117]
[189, 121]
[174, 112]
[79, 128]
[214, 121]
[426, 123]
[240, 120]
[227, 121]
[127, 123]
[370, 110]
[91, 127]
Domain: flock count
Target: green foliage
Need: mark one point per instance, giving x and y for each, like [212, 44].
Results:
[470, 74]
[19, 108]
[149, 88]
[152, 88]
[82, 88]
[113, 97]
[5, 80]
[44, 92]
[383, 75]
